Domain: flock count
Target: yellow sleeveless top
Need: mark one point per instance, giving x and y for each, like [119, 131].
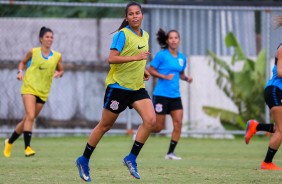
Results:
[39, 75]
[131, 74]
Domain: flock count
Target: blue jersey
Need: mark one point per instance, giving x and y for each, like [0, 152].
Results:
[165, 63]
[118, 41]
[275, 80]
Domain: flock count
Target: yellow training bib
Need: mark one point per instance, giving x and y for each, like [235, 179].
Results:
[131, 74]
[39, 75]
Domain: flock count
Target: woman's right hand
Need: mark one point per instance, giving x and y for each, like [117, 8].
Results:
[143, 55]
[169, 76]
[20, 76]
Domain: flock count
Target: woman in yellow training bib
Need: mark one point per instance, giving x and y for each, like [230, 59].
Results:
[125, 88]
[42, 65]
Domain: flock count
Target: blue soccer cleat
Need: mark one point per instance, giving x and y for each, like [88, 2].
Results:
[83, 168]
[132, 167]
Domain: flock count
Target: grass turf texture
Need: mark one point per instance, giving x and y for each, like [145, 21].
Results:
[203, 161]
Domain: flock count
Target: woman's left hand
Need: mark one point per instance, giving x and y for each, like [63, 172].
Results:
[146, 75]
[189, 79]
[58, 74]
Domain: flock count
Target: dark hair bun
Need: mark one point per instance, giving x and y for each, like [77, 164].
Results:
[162, 37]
[44, 30]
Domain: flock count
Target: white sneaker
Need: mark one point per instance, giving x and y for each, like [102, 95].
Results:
[172, 156]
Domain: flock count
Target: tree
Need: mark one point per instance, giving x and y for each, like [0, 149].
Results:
[245, 88]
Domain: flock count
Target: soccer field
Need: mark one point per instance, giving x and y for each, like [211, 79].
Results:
[203, 161]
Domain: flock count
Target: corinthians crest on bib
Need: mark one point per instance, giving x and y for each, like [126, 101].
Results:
[114, 105]
[159, 107]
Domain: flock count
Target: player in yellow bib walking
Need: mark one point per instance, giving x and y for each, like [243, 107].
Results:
[42, 65]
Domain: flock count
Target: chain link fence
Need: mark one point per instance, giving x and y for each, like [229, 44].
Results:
[76, 100]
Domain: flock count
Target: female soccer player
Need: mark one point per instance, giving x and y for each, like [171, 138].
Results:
[273, 99]
[125, 88]
[42, 65]
[168, 66]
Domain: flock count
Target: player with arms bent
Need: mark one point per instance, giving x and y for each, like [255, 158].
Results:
[125, 88]
[42, 65]
[168, 66]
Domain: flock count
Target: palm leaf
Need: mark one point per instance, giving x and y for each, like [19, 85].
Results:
[226, 116]
[244, 87]
[231, 41]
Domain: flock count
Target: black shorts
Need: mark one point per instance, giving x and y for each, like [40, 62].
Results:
[39, 100]
[117, 100]
[164, 105]
[273, 96]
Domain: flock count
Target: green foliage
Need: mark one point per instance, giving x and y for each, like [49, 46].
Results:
[64, 11]
[244, 87]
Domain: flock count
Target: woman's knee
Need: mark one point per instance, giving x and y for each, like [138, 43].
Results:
[29, 117]
[158, 128]
[278, 130]
[103, 128]
[177, 125]
[150, 122]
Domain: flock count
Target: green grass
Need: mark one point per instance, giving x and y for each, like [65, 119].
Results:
[204, 161]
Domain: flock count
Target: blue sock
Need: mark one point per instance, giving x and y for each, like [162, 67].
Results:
[131, 156]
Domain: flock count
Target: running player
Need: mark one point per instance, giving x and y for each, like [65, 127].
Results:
[42, 65]
[168, 66]
[125, 87]
[273, 99]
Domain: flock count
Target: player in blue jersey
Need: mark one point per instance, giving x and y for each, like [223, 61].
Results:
[273, 99]
[125, 88]
[168, 66]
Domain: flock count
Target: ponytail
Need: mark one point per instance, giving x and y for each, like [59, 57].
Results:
[123, 24]
[161, 38]
[41, 31]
